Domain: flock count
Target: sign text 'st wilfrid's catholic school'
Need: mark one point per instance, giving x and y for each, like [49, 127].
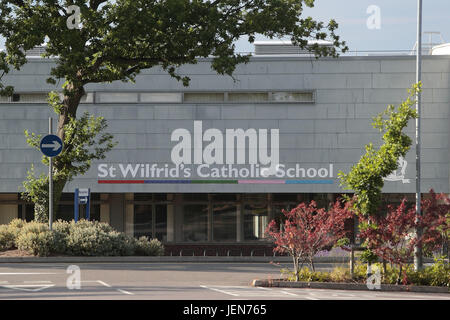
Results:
[213, 154]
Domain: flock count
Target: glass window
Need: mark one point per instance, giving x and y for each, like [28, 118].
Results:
[153, 97]
[255, 221]
[255, 197]
[66, 212]
[142, 197]
[95, 212]
[116, 97]
[26, 212]
[161, 222]
[224, 222]
[195, 197]
[29, 212]
[224, 197]
[160, 196]
[199, 97]
[67, 197]
[195, 222]
[277, 210]
[143, 221]
[284, 197]
[248, 96]
[292, 96]
[95, 196]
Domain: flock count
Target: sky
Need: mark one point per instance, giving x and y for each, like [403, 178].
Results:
[394, 30]
[397, 24]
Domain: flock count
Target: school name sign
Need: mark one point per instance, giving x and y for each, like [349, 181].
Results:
[214, 154]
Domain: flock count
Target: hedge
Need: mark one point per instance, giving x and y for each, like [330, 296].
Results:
[83, 238]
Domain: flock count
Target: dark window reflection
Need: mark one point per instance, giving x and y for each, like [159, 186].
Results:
[255, 221]
[224, 222]
[195, 222]
[161, 222]
[143, 221]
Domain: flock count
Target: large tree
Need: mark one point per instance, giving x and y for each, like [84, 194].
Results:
[117, 39]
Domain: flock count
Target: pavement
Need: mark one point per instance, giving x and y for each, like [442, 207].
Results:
[167, 281]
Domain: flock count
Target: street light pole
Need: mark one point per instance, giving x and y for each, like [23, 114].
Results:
[418, 264]
[50, 182]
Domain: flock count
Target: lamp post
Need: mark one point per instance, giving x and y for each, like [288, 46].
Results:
[418, 264]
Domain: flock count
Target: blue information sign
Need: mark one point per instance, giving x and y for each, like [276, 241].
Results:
[51, 145]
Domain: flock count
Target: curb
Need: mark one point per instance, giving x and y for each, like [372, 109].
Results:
[143, 259]
[347, 286]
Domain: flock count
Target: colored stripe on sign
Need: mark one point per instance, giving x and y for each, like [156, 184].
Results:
[216, 181]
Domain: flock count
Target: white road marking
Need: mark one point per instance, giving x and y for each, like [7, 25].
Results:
[23, 273]
[109, 286]
[38, 281]
[221, 291]
[104, 283]
[244, 291]
[26, 287]
[289, 293]
[125, 292]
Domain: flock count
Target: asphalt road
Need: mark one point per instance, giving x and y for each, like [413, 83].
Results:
[168, 281]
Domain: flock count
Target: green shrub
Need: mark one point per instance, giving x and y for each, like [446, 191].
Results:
[122, 244]
[7, 238]
[146, 247]
[36, 238]
[436, 275]
[87, 240]
[84, 238]
[340, 274]
[305, 274]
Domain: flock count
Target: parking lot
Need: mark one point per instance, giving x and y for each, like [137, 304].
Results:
[171, 281]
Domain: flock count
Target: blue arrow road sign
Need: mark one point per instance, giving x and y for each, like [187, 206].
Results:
[51, 145]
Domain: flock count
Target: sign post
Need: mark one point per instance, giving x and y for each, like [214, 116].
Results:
[82, 196]
[51, 146]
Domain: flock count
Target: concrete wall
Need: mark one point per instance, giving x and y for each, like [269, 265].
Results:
[349, 92]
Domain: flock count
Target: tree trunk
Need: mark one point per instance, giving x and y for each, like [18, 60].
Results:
[296, 269]
[399, 278]
[311, 262]
[71, 102]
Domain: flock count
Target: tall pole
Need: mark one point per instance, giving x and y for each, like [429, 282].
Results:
[418, 264]
[50, 181]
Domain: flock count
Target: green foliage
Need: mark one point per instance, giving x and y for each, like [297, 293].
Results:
[84, 142]
[368, 256]
[7, 238]
[366, 177]
[84, 238]
[340, 274]
[120, 38]
[4, 68]
[37, 239]
[436, 275]
[305, 274]
[147, 247]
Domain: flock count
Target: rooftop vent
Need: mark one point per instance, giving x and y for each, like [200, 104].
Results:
[441, 50]
[36, 51]
[281, 47]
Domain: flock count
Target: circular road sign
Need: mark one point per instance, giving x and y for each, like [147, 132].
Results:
[51, 145]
